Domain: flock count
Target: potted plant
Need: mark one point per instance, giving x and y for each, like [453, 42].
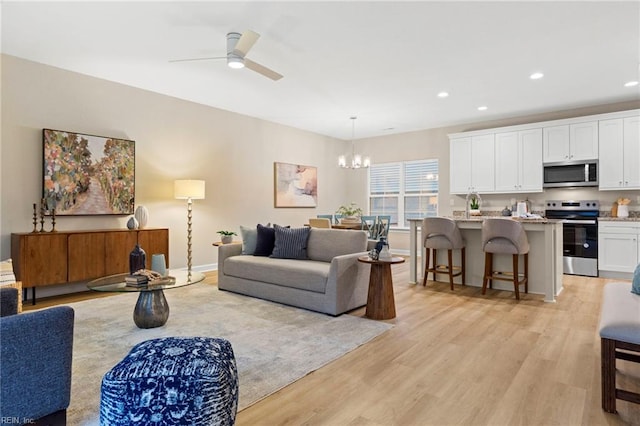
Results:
[226, 236]
[350, 213]
[474, 206]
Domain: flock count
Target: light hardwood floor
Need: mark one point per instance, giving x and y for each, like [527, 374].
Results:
[461, 358]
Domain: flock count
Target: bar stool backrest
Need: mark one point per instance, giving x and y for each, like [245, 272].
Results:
[441, 233]
[504, 236]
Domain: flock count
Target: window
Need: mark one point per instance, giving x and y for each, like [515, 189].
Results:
[407, 190]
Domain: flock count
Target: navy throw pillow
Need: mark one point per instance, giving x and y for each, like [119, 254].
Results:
[290, 243]
[265, 240]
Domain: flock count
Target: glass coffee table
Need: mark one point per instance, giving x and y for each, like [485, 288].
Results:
[152, 309]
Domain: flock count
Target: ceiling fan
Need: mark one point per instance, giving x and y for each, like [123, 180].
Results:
[238, 45]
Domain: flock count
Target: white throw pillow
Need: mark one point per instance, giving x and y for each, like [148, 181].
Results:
[6, 272]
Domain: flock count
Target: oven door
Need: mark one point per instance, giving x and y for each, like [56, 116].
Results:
[580, 247]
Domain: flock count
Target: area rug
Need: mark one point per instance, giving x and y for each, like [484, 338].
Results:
[274, 344]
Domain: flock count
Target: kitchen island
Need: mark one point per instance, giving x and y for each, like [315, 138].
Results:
[545, 255]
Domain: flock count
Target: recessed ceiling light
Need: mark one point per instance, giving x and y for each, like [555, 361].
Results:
[630, 83]
[482, 108]
[443, 94]
[536, 76]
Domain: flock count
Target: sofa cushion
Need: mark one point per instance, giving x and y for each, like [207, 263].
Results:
[265, 241]
[302, 274]
[249, 239]
[290, 243]
[325, 244]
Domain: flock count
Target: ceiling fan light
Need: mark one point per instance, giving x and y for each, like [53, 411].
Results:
[235, 62]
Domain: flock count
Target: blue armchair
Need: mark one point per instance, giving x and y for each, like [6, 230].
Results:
[35, 372]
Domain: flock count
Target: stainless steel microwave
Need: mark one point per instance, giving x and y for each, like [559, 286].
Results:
[568, 174]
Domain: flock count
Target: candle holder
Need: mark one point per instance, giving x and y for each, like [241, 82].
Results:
[42, 215]
[53, 220]
[35, 218]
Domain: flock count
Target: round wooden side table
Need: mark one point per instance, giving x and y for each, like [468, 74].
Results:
[381, 304]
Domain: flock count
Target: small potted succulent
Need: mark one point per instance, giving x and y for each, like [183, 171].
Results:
[474, 206]
[226, 236]
[350, 213]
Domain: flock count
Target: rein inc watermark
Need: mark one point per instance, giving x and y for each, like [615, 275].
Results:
[16, 420]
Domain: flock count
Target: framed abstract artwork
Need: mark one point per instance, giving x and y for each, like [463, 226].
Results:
[295, 185]
[87, 174]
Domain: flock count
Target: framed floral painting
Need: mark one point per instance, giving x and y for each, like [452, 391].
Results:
[295, 185]
[87, 174]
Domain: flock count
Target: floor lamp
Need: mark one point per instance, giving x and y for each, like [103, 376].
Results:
[189, 190]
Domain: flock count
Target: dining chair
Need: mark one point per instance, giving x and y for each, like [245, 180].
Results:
[382, 226]
[321, 222]
[337, 218]
[326, 216]
[368, 223]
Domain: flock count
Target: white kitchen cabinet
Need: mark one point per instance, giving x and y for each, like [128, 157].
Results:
[573, 142]
[472, 165]
[510, 159]
[619, 158]
[618, 246]
[518, 161]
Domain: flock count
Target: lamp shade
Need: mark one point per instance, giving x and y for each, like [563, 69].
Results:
[189, 189]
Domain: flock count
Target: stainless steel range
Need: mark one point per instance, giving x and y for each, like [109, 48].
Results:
[580, 232]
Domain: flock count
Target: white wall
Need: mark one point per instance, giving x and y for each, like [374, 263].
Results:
[234, 154]
[175, 139]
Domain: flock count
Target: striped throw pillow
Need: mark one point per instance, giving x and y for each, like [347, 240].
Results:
[290, 243]
[6, 272]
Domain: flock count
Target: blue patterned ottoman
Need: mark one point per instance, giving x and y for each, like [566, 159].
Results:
[172, 381]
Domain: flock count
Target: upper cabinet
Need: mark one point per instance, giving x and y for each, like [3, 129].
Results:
[620, 154]
[572, 142]
[511, 159]
[472, 166]
[518, 157]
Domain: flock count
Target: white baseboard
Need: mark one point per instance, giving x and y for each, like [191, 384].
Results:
[201, 268]
[400, 252]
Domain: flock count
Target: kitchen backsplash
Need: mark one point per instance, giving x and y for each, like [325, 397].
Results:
[497, 202]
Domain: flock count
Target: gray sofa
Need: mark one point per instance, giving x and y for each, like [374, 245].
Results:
[330, 281]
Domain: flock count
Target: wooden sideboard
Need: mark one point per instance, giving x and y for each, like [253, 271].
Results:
[49, 258]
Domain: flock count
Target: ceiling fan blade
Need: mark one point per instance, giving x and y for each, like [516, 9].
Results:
[197, 59]
[246, 42]
[261, 69]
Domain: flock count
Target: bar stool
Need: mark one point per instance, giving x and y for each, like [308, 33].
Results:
[505, 236]
[441, 233]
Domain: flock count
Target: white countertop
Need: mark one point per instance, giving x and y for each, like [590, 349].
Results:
[618, 219]
[543, 220]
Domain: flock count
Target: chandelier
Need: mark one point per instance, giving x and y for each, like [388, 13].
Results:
[355, 161]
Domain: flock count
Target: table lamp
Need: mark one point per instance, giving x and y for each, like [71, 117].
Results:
[189, 190]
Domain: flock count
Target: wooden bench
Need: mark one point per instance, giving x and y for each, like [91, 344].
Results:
[619, 339]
